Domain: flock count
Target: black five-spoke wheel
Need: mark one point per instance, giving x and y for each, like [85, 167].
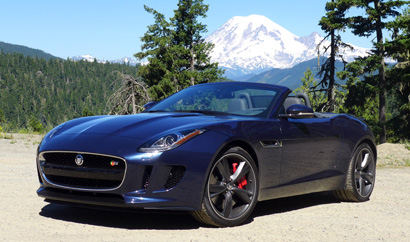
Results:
[231, 190]
[361, 176]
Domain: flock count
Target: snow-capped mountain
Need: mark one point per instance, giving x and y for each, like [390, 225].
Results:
[254, 44]
[125, 60]
[90, 58]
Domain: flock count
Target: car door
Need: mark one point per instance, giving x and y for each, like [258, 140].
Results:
[309, 151]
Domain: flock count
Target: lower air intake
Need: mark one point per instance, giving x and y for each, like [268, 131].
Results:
[175, 176]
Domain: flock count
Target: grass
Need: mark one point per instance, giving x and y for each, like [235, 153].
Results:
[406, 143]
[28, 138]
[6, 136]
[394, 164]
[7, 133]
[390, 161]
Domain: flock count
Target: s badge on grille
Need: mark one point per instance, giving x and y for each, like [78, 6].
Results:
[79, 160]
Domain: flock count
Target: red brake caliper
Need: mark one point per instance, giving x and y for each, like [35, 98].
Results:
[242, 182]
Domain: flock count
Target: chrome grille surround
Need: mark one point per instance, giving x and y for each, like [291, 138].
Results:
[78, 171]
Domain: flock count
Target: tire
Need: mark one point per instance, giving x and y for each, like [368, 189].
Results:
[231, 190]
[361, 176]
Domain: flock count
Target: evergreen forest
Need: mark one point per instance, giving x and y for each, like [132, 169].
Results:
[38, 94]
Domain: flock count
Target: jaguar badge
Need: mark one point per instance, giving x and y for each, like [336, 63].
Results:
[79, 160]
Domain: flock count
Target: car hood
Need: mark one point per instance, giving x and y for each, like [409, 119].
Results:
[140, 126]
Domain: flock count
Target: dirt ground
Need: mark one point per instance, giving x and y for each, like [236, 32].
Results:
[316, 217]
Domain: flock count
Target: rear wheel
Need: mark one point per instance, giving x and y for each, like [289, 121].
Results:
[361, 176]
[231, 190]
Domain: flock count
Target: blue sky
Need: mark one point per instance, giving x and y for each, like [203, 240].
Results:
[112, 29]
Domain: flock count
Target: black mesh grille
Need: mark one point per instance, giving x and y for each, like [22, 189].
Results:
[96, 172]
[90, 160]
[176, 174]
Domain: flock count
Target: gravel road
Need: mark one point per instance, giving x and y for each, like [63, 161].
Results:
[316, 217]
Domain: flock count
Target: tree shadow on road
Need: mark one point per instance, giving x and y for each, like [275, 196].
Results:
[160, 220]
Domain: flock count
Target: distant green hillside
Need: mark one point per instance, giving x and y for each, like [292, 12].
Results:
[53, 91]
[26, 51]
[290, 77]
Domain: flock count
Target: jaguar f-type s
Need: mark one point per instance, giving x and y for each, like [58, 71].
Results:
[212, 149]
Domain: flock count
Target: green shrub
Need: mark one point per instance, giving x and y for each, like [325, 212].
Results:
[35, 125]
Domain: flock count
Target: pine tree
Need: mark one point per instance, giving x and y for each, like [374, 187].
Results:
[399, 76]
[188, 34]
[2, 118]
[160, 71]
[308, 86]
[86, 112]
[35, 125]
[177, 54]
[374, 22]
[333, 23]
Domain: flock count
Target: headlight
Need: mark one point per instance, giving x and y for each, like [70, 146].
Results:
[170, 141]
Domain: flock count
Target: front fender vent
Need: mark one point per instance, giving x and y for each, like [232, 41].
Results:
[271, 143]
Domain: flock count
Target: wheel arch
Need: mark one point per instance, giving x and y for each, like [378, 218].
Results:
[244, 145]
[372, 145]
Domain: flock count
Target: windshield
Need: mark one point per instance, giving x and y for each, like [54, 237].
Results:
[230, 98]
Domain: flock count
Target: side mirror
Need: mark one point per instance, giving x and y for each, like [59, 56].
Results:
[149, 105]
[298, 111]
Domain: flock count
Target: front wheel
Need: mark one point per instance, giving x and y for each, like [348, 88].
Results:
[360, 177]
[231, 190]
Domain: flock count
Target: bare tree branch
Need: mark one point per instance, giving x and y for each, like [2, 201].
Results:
[130, 96]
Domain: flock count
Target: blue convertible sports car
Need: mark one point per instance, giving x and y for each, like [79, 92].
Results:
[212, 149]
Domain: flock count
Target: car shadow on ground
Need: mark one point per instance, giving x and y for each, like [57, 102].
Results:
[121, 219]
[172, 220]
[288, 204]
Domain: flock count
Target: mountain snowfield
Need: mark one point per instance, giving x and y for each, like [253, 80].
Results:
[90, 58]
[254, 44]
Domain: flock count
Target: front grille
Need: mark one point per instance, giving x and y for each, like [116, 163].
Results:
[96, 171]
[90, 160]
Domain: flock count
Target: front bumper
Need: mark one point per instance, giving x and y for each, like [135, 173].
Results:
[184, 193]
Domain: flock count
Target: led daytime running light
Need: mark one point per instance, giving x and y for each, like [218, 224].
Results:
[161, 144]
[188, 137]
